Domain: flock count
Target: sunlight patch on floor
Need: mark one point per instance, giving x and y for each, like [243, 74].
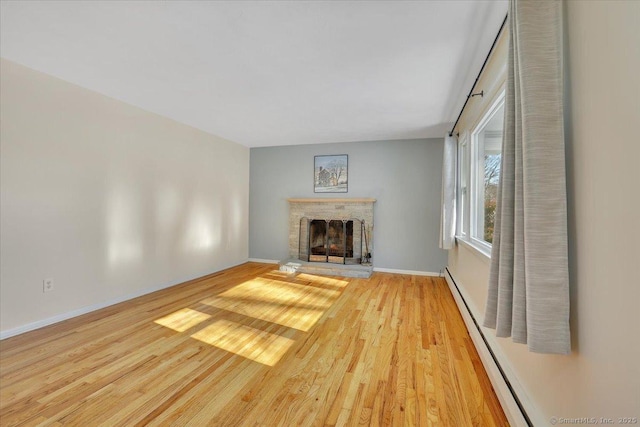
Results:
[288, 304]
[323, 280]
[254, 344]
[294, 305]
[183, 319]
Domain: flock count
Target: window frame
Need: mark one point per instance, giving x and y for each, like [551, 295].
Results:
[469, 153]
[463, 188]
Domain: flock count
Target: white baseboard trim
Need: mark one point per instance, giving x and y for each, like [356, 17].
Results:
[264, 261]
[411, 272]
[514, 414]
[75, 313]
[88, 309]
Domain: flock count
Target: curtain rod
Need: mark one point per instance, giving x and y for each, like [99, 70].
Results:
[471, 94]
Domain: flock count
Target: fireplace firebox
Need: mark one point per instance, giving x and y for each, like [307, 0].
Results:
[336, 241]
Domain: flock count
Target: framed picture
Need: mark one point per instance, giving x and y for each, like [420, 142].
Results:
[330, 174]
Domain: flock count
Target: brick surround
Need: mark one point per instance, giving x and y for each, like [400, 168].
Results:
[361, 209]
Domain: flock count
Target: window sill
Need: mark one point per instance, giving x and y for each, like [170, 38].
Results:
[482, 253]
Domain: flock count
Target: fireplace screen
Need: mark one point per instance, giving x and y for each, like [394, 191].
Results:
[331, 240]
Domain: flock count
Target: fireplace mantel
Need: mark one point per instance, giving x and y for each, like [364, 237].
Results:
[327, 200]
[328, 208]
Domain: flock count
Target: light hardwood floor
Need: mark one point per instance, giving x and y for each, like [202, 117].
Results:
[253, 346]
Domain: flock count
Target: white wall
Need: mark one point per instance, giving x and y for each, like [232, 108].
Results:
[601, 378]
[108, 200]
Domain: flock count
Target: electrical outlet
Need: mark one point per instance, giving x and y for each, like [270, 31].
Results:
[47, 285]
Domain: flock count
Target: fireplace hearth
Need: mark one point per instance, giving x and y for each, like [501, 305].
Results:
[326, 210]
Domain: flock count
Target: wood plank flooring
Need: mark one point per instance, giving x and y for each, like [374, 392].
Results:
[251, 346]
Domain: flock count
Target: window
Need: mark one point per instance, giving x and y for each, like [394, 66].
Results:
[478, 175]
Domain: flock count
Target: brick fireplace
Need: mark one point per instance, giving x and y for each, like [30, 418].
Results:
[354, 216]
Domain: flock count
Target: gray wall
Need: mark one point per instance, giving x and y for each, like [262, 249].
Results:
[404, 176]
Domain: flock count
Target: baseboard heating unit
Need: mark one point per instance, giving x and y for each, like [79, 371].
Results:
[510, 399]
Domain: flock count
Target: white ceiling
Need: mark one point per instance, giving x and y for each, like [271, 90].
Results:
[265, 73]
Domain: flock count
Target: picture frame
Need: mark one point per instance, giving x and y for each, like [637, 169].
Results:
[331, 173]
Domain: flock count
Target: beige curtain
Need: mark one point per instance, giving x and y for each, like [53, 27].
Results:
[448, 201]
[528, 296]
